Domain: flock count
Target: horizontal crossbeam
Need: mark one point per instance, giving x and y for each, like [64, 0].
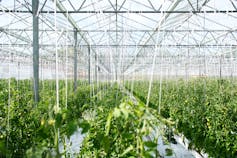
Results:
[129, 45]
[129, 30]
[123, 11]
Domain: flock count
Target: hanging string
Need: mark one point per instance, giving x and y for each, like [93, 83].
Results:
[133, 73]
[66, 56]
[18, 75]
[205, 64]
[153, 67]
[231, 58]
[120, 51]
[188, 56]
[97, 6]
[110, 54]
[135, 58]
[9, 97]
[125, 50]
[43, 62]
[92, 74]
[161, 76]
[157, 49]
[56, 57]
[57, 132]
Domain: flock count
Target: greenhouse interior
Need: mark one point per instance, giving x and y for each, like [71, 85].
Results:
[118, 78]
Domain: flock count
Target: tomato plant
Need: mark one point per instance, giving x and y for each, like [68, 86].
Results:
[204, 111]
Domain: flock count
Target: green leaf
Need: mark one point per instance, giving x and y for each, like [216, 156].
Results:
[147, 155]
[116, 113]
[71, 128]
[128, 136]
[130, 148]
[85, 126]
[150, 144]
[125, 110]
[58, 119]
[106, 144]
[108, 122]
[169, 152]
[3, 148]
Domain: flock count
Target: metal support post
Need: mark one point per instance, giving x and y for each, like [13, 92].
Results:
[75, 60]
[35, 5]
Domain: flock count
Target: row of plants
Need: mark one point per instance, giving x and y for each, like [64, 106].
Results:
[118, 127]
[33, 130]
[204, 110]
[115, 126]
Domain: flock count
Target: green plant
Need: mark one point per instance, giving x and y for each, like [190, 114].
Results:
[204, 111]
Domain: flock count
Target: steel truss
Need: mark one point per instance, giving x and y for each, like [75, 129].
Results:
[111, 26]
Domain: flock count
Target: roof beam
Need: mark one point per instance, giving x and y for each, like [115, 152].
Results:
[74, 24]
[164, 17]
[128, 45]
[131, 30]
[123, 11]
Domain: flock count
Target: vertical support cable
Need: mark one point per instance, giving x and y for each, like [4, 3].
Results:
[89, 65]
[56, 58]
[116, 19]
[35, 4]
[56, 131]
[66, 60]
[161, 76]
[205, 57]
[9, 98]
[157, 49]
[231, 62]
[96, 62]
[197, 6]
[220, 67]
[75, 59]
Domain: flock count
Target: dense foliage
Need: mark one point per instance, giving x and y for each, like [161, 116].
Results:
[118, 126]
[29, 129]
[205, 111]
[116, 123]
